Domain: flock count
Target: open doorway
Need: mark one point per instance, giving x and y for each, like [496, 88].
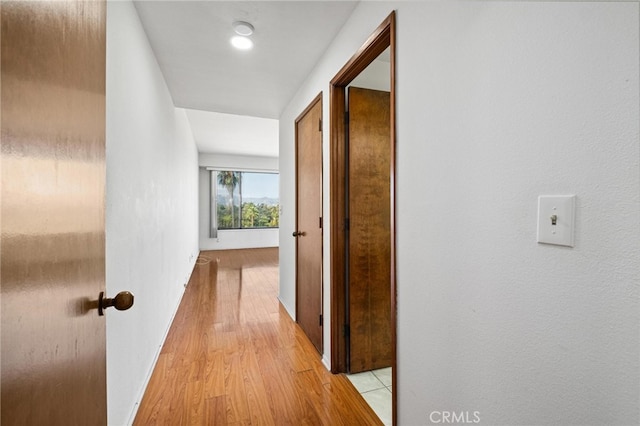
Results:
[345, 183]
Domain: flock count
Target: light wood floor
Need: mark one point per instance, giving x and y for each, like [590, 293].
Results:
[233, 356]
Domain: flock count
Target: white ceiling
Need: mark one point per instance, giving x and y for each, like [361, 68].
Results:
[231, 134]
[190, 40]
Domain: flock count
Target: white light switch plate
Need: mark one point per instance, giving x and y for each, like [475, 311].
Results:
[563, 208]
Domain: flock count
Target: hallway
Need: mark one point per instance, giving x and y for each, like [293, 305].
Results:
[234, 356]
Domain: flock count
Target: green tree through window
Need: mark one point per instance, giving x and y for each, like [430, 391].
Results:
[245, 200]
[230, 181]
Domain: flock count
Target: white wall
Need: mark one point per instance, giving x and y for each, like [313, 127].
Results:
[360, 25]
[237, 238]
[151, 216]
[497, 103]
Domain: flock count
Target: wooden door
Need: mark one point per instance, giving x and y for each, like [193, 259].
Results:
[52, 123]
[308, 232]
[369, 242]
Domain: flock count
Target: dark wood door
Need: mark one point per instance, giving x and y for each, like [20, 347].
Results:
[309, 222]
[53, 358]
[369, 242]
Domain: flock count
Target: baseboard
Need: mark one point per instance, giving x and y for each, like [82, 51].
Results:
[134, 411]
[327, 362]
[289, 311]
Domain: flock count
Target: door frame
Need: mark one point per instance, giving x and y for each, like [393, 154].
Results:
[309, 107]
[383, 37]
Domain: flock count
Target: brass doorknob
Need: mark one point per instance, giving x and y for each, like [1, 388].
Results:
[122, 302]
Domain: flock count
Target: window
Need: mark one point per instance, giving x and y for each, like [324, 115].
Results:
[244, 200]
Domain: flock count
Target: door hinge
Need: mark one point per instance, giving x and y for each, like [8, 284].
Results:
[320, 222]
[320, 324]
[346, 331]
[346, 224]
[320, 125]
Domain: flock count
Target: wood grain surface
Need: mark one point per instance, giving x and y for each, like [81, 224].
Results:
[233, 356]
[308, 214]
[52, 231]
[369, 230]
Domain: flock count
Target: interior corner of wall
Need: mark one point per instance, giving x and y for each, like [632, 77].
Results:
[291, 312]
[326, 361]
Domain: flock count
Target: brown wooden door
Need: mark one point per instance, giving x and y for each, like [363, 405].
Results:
[309, 222]
[369, 242]
[52, 121]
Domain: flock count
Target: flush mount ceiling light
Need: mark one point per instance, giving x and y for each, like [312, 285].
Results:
[242, 41]
[242, 28]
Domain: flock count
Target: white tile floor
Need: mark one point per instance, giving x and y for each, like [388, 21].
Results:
[375, 388]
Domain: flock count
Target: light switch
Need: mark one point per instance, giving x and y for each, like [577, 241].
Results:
[556, 217]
